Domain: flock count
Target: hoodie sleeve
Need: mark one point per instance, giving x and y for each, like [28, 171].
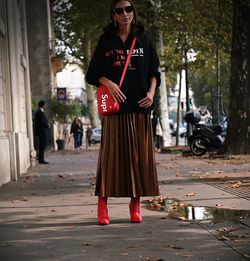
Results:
[96, 65]
[154, 64]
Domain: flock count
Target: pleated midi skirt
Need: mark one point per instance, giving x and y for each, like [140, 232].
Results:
[126, 164]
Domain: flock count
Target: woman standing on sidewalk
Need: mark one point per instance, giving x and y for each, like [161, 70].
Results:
[77, 131]
[126, 165]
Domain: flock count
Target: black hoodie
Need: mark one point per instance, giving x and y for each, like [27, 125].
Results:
[109, 59]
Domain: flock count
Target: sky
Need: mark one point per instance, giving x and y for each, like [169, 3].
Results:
[71, 77]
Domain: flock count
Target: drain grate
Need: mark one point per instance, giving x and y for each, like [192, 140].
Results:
[240, 189]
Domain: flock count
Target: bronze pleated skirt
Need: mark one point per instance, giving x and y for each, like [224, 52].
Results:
[126, 164]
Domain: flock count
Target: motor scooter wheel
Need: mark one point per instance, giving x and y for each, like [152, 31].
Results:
[197, 147]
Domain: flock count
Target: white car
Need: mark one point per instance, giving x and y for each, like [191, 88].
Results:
[96, 135]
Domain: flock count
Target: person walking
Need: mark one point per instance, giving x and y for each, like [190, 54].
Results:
[157, 131]
[77, 131]
[41, 131]
[126, 165]
[89, 132]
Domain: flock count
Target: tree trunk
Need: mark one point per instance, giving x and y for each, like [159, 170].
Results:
[163, 109]
[178, 110]
[163, 99]
[189, 105]
[91, 99]
[238, 136]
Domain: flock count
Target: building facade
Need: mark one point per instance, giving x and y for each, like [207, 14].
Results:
[25, 72]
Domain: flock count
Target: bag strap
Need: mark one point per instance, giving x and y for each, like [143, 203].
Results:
[127, 62]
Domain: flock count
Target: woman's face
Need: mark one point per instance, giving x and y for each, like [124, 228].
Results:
[123, 13]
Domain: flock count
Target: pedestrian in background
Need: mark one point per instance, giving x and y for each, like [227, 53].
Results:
[89, 132]
[126, 165]
[158, 134]
[154, 123]
[77, 131]
[157, 131]
[41, 131]
[205, 115]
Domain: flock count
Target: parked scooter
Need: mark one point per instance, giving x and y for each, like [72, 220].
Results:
[204, 137]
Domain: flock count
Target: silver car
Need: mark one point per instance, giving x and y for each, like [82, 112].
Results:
[96, 135]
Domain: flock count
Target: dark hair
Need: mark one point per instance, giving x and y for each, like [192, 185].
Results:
[112, 7]
[41, 104]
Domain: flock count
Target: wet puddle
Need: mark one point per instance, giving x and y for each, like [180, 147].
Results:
[184, 211]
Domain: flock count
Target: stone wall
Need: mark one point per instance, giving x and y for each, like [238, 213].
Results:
[39, 53]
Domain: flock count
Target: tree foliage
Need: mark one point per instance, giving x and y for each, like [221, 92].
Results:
[186, 25]
[201, 27]
[75, 21]
[65, 110]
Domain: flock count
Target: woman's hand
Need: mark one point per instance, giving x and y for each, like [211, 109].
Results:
[116, 93]
[147, 101]
[114, 89]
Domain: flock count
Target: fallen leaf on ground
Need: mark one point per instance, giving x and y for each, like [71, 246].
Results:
[237, 185]
[159, 207]
[133, 246]
[153, 259]
[192, 194]
[187, 255]
[227, 229]
[182, 218]
[173, 246]
[26, 226]
[178, 174]
[239, 240]
[224, 238]
[168, 165]
[183, 204]
[124, 254]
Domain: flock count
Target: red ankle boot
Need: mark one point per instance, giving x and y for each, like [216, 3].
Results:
[102, 211]
[135, 211]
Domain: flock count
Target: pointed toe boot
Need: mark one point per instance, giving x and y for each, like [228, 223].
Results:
[102, 211]
[135, 211]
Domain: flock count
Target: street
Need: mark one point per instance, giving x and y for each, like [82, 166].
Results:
[50, 212]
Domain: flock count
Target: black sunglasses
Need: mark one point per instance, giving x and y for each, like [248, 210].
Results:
[120, 10]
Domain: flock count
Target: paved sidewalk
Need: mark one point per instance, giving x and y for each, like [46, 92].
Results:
[50, 213]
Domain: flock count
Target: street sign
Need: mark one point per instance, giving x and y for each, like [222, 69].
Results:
[61, 94]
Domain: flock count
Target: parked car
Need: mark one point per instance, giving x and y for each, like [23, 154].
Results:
[182, 131]
[96, 135]
[171, 124]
